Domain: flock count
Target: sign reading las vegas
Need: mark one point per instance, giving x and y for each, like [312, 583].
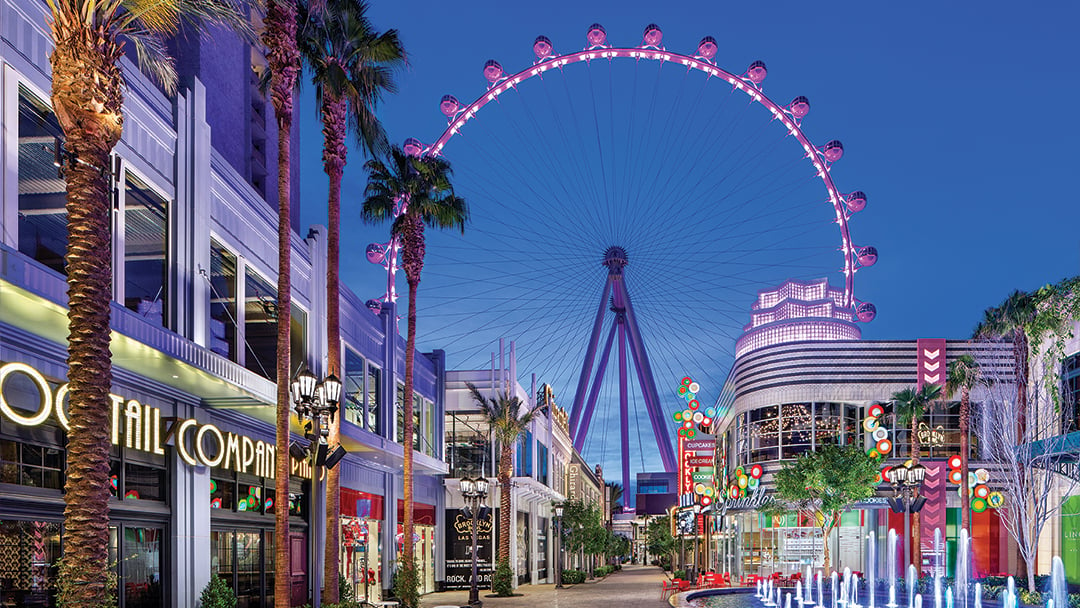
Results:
[138, 426]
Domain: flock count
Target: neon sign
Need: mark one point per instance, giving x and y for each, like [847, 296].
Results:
[139, 426]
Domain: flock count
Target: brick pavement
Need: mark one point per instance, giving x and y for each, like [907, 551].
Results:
[632, 587]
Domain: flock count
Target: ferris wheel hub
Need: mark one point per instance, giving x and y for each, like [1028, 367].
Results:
[615, 258]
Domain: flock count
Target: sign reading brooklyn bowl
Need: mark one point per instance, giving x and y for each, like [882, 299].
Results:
[139, 426]
[459, 549]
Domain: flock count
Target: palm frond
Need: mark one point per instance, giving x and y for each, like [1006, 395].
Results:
[153, 59]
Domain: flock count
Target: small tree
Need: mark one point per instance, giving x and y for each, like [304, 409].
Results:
[659, 540]
[217, 594]
[821, 484]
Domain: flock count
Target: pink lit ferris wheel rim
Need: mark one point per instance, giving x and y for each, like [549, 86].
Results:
[843, 206]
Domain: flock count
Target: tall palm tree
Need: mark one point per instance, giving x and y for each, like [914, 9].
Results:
[909, 407]
[616, 494]
[509, 418]
[964, 375]
[351, 65]
[283, 64]
[415, 192]
[89, 38]
[1010, 320]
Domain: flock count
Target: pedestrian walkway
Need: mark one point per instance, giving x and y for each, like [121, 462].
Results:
[632, 587]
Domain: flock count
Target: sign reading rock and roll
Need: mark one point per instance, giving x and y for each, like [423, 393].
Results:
[459, 549]
[139, 426]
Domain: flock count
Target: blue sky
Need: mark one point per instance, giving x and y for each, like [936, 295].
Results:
[957, 120]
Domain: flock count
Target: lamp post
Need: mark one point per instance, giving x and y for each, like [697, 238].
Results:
[907, 481]
[474, 491]
[316, 404]
[558, 545]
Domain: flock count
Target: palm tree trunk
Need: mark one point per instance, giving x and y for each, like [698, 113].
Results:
[410, 347]
[916, 529]
[85, 70]
[334, 151]
[965, 452]
[283, 57]
[506, 460]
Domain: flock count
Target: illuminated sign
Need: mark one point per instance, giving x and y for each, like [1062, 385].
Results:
[139, 426]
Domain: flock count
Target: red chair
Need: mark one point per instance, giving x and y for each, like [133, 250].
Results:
[668, 588]
[724, 580]
[685, 586]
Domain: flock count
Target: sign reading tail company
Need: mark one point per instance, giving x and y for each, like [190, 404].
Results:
[139, 426]
[459, 549]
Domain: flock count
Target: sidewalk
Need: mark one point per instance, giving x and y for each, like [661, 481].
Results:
[632, 587]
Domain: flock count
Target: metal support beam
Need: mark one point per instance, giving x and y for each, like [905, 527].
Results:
[624, 410]
[590, 353]
[594, 392]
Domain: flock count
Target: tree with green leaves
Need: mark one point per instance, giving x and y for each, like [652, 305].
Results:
[615, 495]
[351, 65]
[909, 407]
[412, 192]
[89, 39]
[658, 539]
[583, 529]
[964, 375]
[508, 418]
[821, 484]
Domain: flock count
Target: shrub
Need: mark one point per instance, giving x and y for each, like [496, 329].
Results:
[502, 581]
[407, 584]
[217, 594]
[603, 571]
[573, 577]
[1032, 598]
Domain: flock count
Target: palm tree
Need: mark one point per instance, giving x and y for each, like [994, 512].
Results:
[422, 187]
[89, 38]
[616, 495]
[283, 65]
[1011, 321]
[910, 405]
[351, 66]
[509, 418]
[964, 375]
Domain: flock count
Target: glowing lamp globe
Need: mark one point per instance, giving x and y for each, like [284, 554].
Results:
[596, 35]
[542, 47]
[375, 253]
[867, 256]
[856, 201]
[694, 387]
[698, 417]
[865, 312]
[652, 36]
[449, 106]
[412, 147]
[686, 381]
[707, 47]
[493, 71]
[876, 410]
[677, 416]
[693, 404]
[800, 106]
[706, 501]
[757, 72]
[833, 151]
[955, 461]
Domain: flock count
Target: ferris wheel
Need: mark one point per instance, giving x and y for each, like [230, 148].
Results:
[655, 183]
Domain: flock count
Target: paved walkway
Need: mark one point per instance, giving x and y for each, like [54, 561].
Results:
[632, 587]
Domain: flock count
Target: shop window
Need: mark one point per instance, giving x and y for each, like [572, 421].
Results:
[399, 413]
[429, 428]
[260, 328]
[245, 560]
[35, 466]
[827, 424]
[374, 376]
[222, 494]
[468, 446]
[797, 429]
[352, 390]
[524, 456]
[146, 264]
[136, 552]
[143, 482]
[541, 463]
[29, 551]
[223, 324]
[764, 431]
[42, 190]
[419, 440]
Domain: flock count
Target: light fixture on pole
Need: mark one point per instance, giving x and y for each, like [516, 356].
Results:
[316, 404]
[474, 492]
[558, 544]
[907, 481]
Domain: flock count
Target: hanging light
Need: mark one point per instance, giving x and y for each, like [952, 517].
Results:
[304, 386]
[332, 386]
[482, 487]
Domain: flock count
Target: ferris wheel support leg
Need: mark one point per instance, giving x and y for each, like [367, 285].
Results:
[624, 407]
[648, 385]
[594, 392]
[590, 354]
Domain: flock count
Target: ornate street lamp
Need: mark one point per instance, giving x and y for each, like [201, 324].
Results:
[316, 404]
[558, 541]
[907, 481]
[474, 491]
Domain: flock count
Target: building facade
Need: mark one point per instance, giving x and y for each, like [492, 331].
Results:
[193, 348]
